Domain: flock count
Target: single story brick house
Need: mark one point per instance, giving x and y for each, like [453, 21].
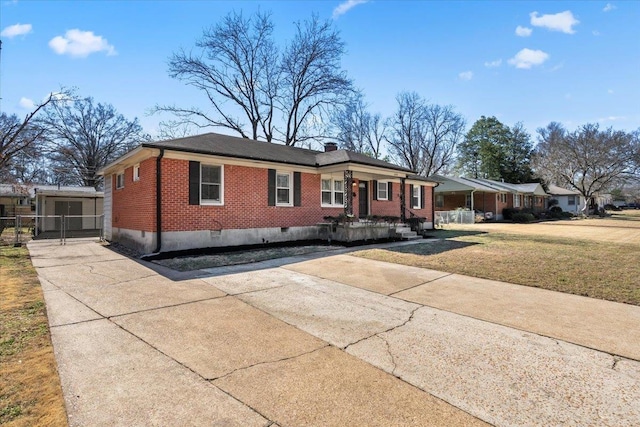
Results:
[216, 190]
[487, 196]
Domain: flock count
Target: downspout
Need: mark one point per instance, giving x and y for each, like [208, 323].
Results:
[433, 206]
[159, 201]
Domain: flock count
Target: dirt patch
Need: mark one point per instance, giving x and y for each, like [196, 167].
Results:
[197, 262]
[31, 393]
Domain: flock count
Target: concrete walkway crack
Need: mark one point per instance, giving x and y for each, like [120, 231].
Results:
[392, 294]
[268, 362]
[409, 319]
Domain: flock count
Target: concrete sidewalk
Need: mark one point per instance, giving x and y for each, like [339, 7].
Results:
[338, 340]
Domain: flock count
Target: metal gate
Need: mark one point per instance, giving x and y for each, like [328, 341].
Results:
[22, 228]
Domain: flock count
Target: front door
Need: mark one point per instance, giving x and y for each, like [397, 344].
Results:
[70, 208]
[363, 200]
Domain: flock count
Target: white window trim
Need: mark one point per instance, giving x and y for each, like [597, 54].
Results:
[569, 201]
[213, 202]
[333, 191]
[516, 200]
[386, 197]
[119, 185]
[290, 188]
[418, 197]
[136, 172]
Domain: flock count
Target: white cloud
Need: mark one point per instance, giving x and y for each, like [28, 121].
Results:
[466, 75]
[16, 30]
[27, 103]
[493, 64]
[345, 6]
[612, 119]
[609, 7]
[80, 44]
[527, 58]
[563, 21]
[523, 31]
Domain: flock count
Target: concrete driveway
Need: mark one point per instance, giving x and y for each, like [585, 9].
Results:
[331, 341]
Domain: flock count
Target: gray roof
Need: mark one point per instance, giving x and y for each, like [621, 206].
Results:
[454, 184]
[242, 148]
[559, 191]
[24, 190]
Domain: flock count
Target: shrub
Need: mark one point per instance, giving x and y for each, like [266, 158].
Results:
[555, 209]
[566, 215]
[522, 217]
[415, 222]
[507, 213]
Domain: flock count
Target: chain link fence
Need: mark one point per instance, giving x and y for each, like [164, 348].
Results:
[20, 229]
[454, 217]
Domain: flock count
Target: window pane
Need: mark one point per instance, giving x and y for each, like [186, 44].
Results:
[339, 198]
[211, 174]
[282, 195]
[337, 185]
[326, 185]
[211, 192]
[283, 181]
[382, 190]
[326, 197]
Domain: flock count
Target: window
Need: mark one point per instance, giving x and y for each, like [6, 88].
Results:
[516, 200]
[467, 201]
[332, 192]
[283, 189]
[571, 200]
[120, 180]
[136, 172]
[527, 201]
[439, 200]
[416, 197]
[503, 197]
[383, 193]
[210, 185]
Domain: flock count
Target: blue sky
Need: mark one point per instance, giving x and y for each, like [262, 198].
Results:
[534, 62]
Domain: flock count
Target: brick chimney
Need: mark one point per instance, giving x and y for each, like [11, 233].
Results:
[330, 146]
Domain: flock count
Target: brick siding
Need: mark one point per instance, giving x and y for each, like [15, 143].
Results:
[245, 201]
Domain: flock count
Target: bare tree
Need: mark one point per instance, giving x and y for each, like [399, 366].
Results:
[445, 129]
[237, 66]
[358, 130]
[84, 137]
[423, 136]
[313, 81]
[589, 160]
[18, 136]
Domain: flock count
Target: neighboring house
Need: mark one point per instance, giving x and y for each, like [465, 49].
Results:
[461, 193]
[568, 200]
[215, 190]
[15, 199]
[487, 196]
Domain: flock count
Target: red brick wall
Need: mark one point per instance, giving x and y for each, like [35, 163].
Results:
[245, 201]
[453, 202]
[485, 202]
[134, 206]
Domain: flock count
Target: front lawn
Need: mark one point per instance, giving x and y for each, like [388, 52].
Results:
[603, 270]
[30, 393]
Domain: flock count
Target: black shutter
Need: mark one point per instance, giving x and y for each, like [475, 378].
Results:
[389, 190]
[375, 190]
[272, 187]
[422, 197]
[411, 196]
[194, 183]
[297, 189]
